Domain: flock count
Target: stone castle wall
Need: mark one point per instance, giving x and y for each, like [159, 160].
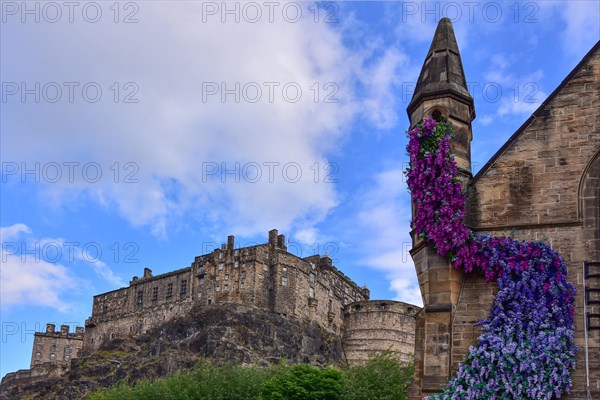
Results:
[376, 325]
[38, 374]
[51, 355]
[56, 347]
[133, 310]
[264, 276]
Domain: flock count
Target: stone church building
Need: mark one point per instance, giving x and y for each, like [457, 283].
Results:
[543, 184]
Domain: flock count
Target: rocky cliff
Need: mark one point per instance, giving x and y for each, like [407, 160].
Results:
[227, 333]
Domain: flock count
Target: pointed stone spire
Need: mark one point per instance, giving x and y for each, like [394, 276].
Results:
[441, 92]
[442, 72]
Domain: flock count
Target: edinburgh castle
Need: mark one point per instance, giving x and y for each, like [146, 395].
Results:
[261, 303]
[264, 279]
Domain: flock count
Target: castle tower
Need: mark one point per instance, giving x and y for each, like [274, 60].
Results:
[441, 91]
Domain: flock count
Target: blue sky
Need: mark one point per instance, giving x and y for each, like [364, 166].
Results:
[141, 135]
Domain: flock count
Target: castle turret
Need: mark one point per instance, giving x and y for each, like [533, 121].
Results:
[441, 92]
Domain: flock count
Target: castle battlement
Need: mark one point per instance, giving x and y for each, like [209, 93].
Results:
[264, 276]
[56, 346]
[388, 306]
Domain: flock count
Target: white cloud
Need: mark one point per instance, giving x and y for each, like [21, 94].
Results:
[411, 24]
[39, 283]
[485, 120]
[384, 219]
[174, 134]
[307, 236]
[34, 272]
[515, 95]
[26, 278]
[581, 24]
[407, 290]
[382, 99]
[92, 258]
[104, 271]
[13, 231]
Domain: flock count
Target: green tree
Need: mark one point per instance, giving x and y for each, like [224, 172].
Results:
[304, 382]
[206, 382]
[383, 377]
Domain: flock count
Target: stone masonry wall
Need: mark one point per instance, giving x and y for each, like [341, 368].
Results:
[535, 180]
[56, 347]
[544, 185]
[265, 276]
[134, 310]
[38, 375]
[377, 325]
[51, 356]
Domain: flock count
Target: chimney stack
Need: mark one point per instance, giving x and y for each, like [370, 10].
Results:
[273, 238]
[281, 242]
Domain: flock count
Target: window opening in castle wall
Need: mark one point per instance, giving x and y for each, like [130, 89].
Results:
[140, 298]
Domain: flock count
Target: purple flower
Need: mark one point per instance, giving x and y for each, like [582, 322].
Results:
[526, 349]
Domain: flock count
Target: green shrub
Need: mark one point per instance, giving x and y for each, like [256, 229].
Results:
[205, 382]
[383, 377]
[304, 382]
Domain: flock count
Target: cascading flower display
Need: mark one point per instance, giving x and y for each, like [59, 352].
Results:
[526, 349]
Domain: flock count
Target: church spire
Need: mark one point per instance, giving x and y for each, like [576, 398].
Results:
[441, 93]
[442, 72]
